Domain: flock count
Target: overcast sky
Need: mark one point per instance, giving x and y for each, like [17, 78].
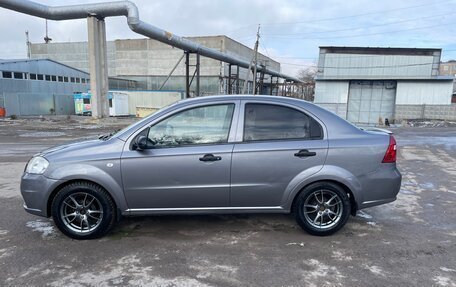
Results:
[291, 31]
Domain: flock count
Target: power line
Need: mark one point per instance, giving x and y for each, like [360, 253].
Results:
[341, 17]
[354, 28]
[357, 15]
[361, 35]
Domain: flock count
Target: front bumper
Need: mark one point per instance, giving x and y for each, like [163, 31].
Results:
[35, 190]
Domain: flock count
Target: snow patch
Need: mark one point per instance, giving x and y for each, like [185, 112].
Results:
[42, 134]
[364, 215]
[320, 274]
[302, 244]
[45, 227]
[447, 269]
[374, 269]
[443, 281]
[339, 255]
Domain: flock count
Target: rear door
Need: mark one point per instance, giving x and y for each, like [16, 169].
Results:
[277, 143]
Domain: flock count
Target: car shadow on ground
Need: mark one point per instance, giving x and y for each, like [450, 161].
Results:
[201, 225]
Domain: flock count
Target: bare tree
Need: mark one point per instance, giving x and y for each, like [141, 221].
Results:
[308, 86]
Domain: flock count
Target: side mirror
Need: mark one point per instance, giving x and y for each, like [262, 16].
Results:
[141, 143]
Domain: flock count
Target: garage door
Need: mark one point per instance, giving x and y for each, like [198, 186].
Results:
[369, 101]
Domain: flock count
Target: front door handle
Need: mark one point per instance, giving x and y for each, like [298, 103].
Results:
[305, 153]
[210, 157]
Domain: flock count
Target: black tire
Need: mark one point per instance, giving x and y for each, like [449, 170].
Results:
[316, 214]
[92, 206]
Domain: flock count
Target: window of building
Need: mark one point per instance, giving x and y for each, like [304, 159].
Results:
[273, 122]
[88, 81]
[78, 80]
[18, 75]
[32, 76]
[48, 77]
[83, 80]
[110, 103]
[65, 79]
[72, 79]
[60, 79]
[7, 75]
[54, 78]
[40, 77]
[196, 126]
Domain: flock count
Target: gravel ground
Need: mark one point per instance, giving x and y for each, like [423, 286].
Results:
[410, 242]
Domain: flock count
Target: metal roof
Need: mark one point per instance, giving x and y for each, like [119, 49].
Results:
[10, 61]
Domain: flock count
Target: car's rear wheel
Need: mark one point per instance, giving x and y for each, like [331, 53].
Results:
[322, 208]
[83, 210]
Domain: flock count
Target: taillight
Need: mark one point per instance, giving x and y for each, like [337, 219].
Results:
[390, 155]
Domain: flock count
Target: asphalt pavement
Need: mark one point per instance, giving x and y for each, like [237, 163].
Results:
[410, 242]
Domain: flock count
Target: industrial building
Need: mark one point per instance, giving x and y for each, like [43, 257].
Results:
[448, 68]
[150, 62]
[369, 85]
[41, 87]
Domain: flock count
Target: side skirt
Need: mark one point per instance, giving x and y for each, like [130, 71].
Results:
[204, 210]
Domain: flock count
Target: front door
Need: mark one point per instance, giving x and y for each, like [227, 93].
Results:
[187, 163]
[278, 144]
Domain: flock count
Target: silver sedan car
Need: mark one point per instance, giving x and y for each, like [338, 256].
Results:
[217, 154]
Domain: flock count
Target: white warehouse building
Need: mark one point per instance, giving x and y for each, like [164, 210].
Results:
[369, 85]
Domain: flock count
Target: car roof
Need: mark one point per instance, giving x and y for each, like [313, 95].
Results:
[245, 97]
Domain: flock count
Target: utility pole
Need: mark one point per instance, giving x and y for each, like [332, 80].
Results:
[254, 59]
[46, 38]
[28, 44]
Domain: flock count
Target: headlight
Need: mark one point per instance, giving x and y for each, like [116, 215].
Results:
[37, 165]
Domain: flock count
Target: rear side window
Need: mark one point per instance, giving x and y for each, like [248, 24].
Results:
[273, 122]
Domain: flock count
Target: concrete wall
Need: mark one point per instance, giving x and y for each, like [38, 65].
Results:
[151, 99]
[147, 57]
[331, 91]
[339, 109]
[149, 61]
[436, 112]
[424, 92]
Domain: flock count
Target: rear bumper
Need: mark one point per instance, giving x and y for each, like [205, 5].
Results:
[35, 190]
[381, 186]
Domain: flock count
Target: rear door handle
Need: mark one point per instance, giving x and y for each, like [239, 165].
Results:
[210, 157]
[305, 153]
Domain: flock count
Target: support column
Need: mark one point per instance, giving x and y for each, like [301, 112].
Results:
[198, 74]
[98, 67]
[229, 79]
[238, 84]
[187, 74]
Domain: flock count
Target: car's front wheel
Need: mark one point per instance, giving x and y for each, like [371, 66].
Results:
[83, 210]
[322, 208]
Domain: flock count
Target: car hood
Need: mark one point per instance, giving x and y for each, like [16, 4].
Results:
[70, 147]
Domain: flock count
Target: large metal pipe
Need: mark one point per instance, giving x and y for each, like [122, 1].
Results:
[128, 9]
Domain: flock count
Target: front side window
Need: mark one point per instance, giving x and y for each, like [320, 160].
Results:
[201, 125]
[273, 122]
